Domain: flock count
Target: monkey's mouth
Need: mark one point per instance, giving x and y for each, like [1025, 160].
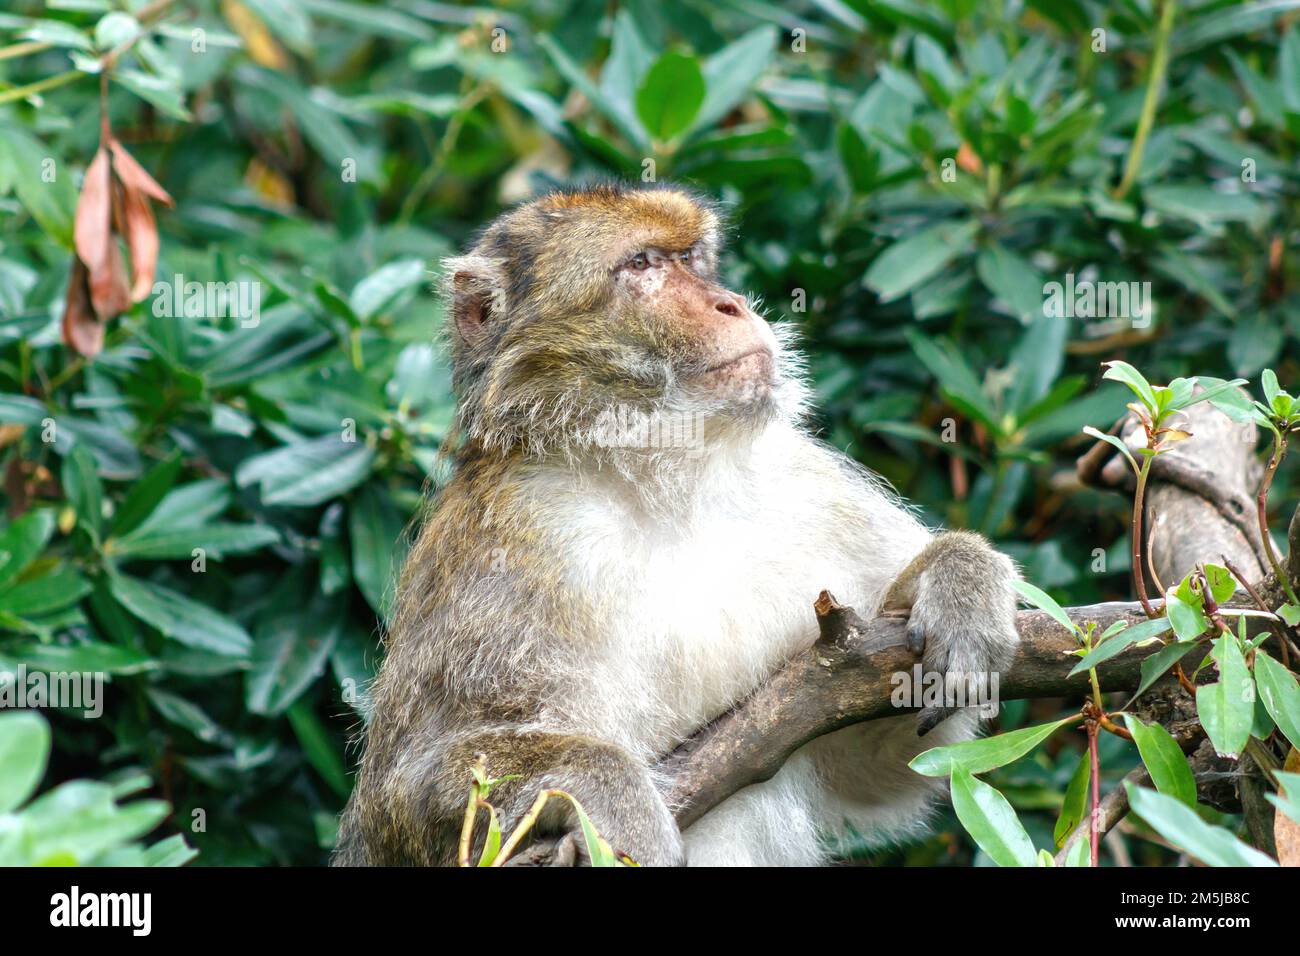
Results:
[759, 356]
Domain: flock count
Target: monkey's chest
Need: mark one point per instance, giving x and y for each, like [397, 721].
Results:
[694, 626]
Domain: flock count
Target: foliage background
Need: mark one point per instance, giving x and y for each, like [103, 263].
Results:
[823, 126]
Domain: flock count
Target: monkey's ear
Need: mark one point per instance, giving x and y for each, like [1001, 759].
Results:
[473, 288]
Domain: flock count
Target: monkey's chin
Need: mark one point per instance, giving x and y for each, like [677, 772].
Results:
[746, 379]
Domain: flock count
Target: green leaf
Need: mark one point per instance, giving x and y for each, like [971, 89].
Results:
[1227, 708]
[1133, 634]
[308, 472]
[23, 540]
[991, 822]
[1075, 804]
[1013, 280]
[979, 756]
[1179, 824]
[378, 547]
[290, 649]
[319, 747]
[24, 751]
[1043, 601]
[1287, 799]
[1115, 443]
[44, 595]
[1155, 666]
[145, 494]
[671, 95]
[911, 261]
[1164, 760]
[1280, 693]
[82, 486]
[1188, 620]
[179, 617]
[731, 73]
[599, 851]
[1123, 372]
[378, 291]
[24, 162]
[216, 540]
[172, 851]
[578, 79]
[955, 376]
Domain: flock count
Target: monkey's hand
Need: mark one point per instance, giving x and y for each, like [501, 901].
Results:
[961, 619]
[615, 790]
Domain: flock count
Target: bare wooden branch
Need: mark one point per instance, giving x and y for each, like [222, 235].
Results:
[848, 676]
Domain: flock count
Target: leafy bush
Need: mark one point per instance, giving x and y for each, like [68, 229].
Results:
[210, 511]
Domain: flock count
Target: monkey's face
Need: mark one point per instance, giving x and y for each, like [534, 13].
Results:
[584, 304]
[713, 347]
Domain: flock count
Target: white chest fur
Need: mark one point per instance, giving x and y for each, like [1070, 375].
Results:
[695, 603]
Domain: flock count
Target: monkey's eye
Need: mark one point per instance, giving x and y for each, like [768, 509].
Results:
[640, 261]
[685, 255]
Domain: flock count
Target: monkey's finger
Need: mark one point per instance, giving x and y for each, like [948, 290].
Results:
[915, 639]
[568, 852]
[931, 717]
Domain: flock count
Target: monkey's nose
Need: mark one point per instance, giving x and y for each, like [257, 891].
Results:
[728, 305]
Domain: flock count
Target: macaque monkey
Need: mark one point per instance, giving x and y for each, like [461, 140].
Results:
[633, 538]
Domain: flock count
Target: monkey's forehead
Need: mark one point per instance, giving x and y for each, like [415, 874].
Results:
[605, 224]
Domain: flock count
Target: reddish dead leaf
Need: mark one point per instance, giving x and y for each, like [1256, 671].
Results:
[92, 226]
[1286, 832]
[142, 240]
[110, 291]
[133, 175]
[967, 160]
[82, 331]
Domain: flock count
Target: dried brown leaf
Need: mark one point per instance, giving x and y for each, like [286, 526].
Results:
[1286, 832]
[82, 331]
[92, 231]
[133, 175]
[142, 240]
[110, 290]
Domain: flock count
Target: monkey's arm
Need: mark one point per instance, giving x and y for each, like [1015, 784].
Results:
[614, 789]
[961, 611]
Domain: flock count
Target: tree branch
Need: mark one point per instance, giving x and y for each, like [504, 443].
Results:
[848, 676]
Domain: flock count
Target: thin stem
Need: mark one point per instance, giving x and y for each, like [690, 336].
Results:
[1094, 830]
[525, 825]
[1155, 82]
[26, 48]
[1261, 508]
[1283, 641]
[40, 86]
[1139, 580]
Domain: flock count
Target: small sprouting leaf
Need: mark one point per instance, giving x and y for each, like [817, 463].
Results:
[1187, 619]
[1134, 634]
[1114, 442]
[1118, 371]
